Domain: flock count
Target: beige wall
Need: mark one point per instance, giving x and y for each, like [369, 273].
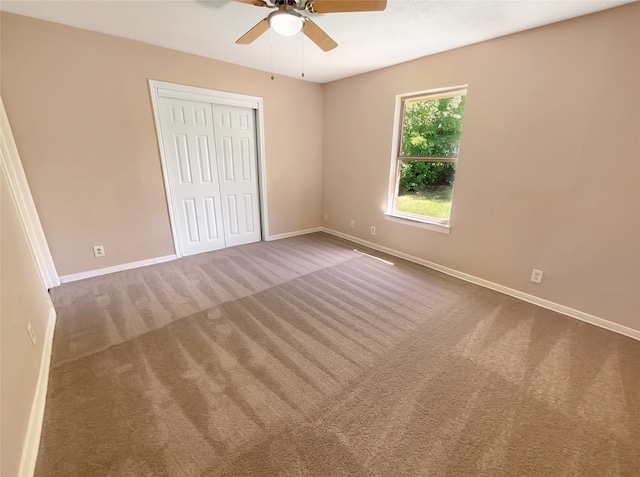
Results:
[548, 177]
[549, 169]
[79, 107]
[23, 299]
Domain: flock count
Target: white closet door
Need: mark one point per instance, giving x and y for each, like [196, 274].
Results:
[235, 134]
[188, 136]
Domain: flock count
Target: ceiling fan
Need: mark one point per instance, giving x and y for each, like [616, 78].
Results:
[286, 21]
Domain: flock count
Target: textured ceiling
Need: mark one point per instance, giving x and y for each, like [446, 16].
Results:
[406, 30]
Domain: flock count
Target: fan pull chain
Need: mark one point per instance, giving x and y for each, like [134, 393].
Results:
[302, 60]
[271, 38]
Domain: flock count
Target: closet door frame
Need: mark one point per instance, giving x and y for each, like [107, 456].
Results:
[159, 89]
[19, 187]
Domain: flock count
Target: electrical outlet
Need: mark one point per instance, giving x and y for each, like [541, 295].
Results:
[32, 334]
[373, 230]
[326, 216]
[536, 276]
[353, 223]
[98, 250]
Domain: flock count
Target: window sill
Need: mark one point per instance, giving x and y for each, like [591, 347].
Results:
[423, 224]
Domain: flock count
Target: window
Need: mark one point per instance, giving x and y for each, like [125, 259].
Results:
[424, 163]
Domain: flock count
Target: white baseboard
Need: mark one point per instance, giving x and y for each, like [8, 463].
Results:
[167, 258]
[293, 234]
[32, 439]
[565, 310]
[116, 268]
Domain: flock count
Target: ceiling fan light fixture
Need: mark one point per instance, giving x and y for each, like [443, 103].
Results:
[286, 23]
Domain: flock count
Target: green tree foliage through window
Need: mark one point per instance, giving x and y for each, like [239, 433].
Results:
[431, 128]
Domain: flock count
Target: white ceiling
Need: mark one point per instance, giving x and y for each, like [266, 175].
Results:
[406, 30]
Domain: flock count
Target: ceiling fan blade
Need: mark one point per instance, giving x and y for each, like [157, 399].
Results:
[338, 6]
[254, 33]
[257, 3]
[318, 36]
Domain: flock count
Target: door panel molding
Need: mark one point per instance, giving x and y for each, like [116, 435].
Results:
[193, 175]
[161, 89]
[234, 128]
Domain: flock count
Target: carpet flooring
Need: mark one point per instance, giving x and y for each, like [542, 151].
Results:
[304, 357]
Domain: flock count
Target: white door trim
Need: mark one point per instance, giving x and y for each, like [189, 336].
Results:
[12, 167]
[163, 89]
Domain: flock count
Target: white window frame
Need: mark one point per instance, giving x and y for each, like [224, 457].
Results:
[429, 223]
